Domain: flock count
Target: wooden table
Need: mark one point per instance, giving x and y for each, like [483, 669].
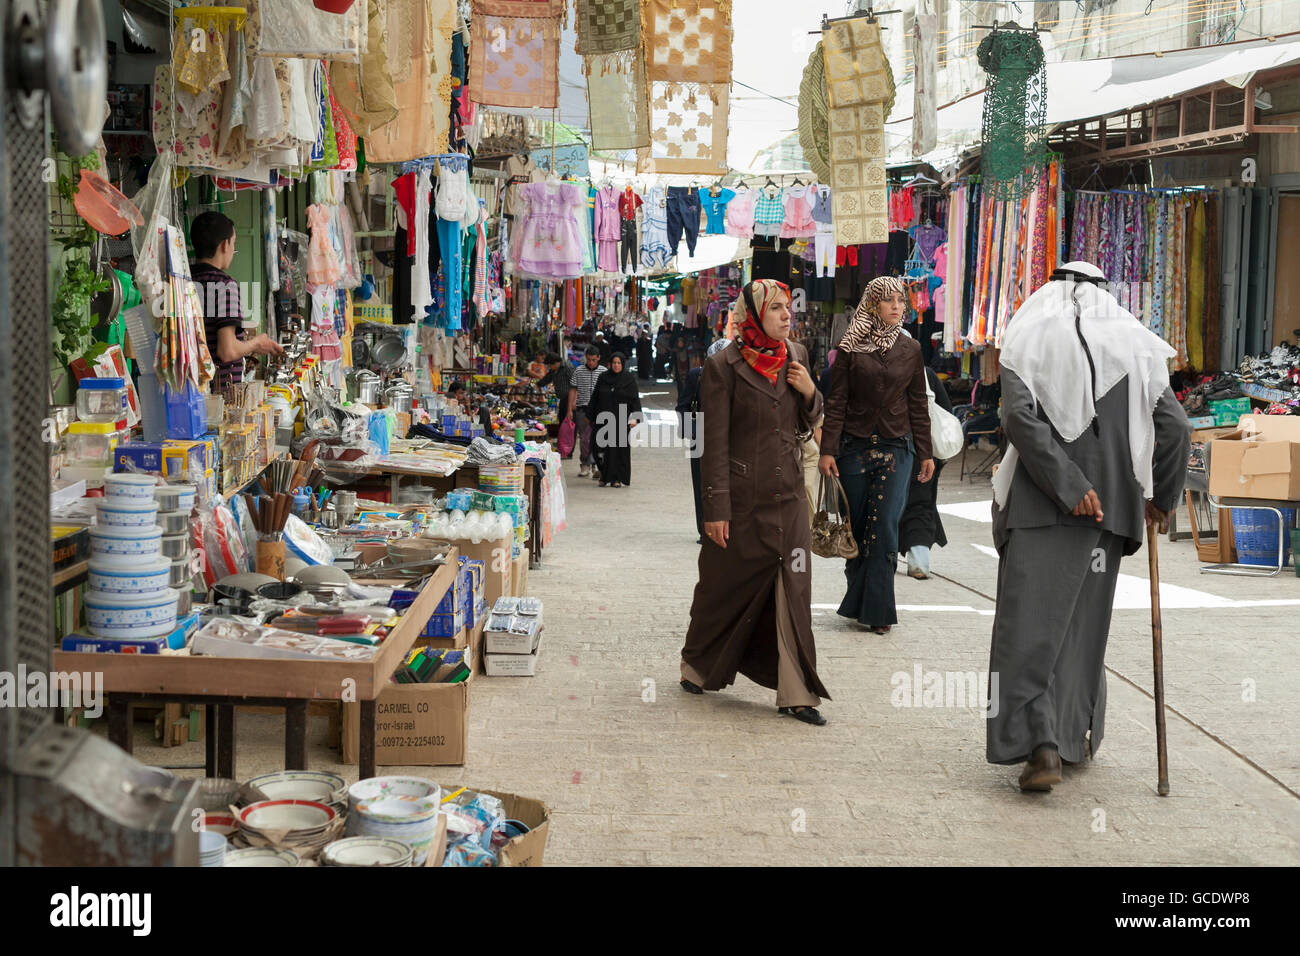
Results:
[222, 683]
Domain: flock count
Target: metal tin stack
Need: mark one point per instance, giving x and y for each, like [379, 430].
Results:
[175, 502]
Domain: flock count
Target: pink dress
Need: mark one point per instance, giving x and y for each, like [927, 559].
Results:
[322, 265]
[798, 222]
[607, 229]
[740, 214]
[549, 244]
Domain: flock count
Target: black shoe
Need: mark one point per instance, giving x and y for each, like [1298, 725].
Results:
[808, 715]
[691, 688]
[1043, 769]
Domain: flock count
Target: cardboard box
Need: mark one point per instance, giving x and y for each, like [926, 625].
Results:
[519, 575]
[497, 569]
[416, 725]
[512, 665]
[456, 642]
[1259, 460]
[530, 848]
[1229, 410]
[498, 642]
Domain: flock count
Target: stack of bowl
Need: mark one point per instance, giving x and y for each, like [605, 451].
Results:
[303, 826]
[261, 856]
[411, 820]
[212, 848]
[318, 785]
[175, 502]
[130, 595]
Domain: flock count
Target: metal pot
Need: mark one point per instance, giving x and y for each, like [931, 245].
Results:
[388, 352]
[398, 398]
[367, 388]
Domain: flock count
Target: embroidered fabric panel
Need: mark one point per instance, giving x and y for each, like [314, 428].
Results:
[688, 129]
[687, 41]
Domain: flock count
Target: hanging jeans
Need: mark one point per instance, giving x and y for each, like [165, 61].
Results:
[875, 472]
[683, 216]
[627, 247]
[453, 267]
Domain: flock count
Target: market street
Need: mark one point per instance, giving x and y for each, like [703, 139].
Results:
[636, 771]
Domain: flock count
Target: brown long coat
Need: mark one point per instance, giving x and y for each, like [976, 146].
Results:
[752, 475]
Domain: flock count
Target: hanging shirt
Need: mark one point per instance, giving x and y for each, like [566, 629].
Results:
[715, 209]
[628, 203]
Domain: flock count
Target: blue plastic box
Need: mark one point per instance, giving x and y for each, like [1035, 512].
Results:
[187, 412]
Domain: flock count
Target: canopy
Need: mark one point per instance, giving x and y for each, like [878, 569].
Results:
[1081, 89]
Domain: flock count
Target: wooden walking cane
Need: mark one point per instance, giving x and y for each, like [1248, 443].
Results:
[1158, 654]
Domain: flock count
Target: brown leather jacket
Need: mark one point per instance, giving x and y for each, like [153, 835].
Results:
[752, 454]
[878, 392]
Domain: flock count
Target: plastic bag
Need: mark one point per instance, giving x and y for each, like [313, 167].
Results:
[305, 544]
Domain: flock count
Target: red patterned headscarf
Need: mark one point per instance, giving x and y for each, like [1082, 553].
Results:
[764, 354]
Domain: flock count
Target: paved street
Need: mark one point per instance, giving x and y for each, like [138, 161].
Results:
[638, 772]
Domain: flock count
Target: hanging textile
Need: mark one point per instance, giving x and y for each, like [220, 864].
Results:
[925, 57]
[688, 130]
[687, 41]
[860, 91]
[618, 105]
[609, 32]
[193, 138]
[515, 46]
[1015, 111]
[365, 90]
[419, 37]
[298, 28]
[814, 129]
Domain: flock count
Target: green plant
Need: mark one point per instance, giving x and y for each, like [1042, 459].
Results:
[70, 334]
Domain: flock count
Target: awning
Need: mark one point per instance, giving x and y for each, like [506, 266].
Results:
[1081, 89]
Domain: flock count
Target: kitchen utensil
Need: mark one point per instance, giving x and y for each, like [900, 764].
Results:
[367, 851]
[388, 352]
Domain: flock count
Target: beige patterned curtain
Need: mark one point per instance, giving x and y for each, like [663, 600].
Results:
[687, 41]
[688, 129]
[618, 105]
[419, 34]
[365, 90]
[515, 49]
[860, 90]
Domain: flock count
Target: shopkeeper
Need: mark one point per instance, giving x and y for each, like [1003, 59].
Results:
[213, 238]
[460, 394]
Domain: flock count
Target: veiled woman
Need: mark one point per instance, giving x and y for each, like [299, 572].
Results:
[877, 421]
[752, 608]
[615, 401]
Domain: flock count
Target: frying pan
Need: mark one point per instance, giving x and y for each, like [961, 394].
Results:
[360, 353]
[388, 352]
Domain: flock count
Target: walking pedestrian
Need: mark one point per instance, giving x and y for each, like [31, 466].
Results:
[582, 386]
[920, 528]
[643, 359]
[877, 421]
[559, 375]
[663, 350]
[752, 611]
[1098, 447]
[616, 403]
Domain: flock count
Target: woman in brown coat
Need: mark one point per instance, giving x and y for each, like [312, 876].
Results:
[877, 422]
[752, 608]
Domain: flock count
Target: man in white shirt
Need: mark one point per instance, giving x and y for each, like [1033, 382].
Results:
[581, 388]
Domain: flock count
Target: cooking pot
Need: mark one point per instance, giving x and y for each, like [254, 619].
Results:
[367, 388]
[388, 352]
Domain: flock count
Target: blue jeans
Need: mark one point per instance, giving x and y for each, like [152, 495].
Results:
[875, 472]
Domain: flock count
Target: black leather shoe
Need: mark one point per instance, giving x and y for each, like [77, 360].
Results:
[691, 688]
[809, 715]
[1043, 769]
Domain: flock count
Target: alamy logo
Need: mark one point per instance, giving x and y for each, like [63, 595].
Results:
[923, 688]
[53, 689]
[73, 909]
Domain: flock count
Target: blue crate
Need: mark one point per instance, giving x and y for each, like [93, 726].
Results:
[1256, 533]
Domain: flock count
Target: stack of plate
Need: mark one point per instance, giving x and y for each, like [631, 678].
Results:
[293, 824]
[212, 848]
[383, 788]
[410, 820]
[220, 823]
[261, 856]
[367, 851]
[318, 785]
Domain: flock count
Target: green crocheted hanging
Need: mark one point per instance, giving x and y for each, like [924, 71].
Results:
[1015, 112]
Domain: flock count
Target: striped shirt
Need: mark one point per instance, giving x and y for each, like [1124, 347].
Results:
[584, 380]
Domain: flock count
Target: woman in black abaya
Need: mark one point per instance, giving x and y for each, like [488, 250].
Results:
[616, 401]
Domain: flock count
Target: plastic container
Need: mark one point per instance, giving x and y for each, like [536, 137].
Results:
[101, 400]
[153, 408]
[152, 577]
[125, 547]
[187, 415]
[130, 485]
[1257, 533]
[126, 512]
[91, 444]
[131, 615]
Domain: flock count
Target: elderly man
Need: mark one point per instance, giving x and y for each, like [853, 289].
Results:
[1099, 446]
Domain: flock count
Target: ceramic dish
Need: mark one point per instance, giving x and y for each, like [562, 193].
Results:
[261, 856]
[212, 848]
[175, 545]
[125, 546]
[127, 615]
[399, 811]
[149, 577]
[174, 497]
[286, 815]
[222, 823]
[379, 788]
[414, 822]
[316, 785]
[366, 851]
[129, 485]
[174, 522]
[126, 512]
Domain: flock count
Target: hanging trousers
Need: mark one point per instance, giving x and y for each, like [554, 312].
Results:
[824, 252]
[683, 206]
[627, 247]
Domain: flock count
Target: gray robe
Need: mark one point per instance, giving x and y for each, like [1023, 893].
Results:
[1057, 572]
